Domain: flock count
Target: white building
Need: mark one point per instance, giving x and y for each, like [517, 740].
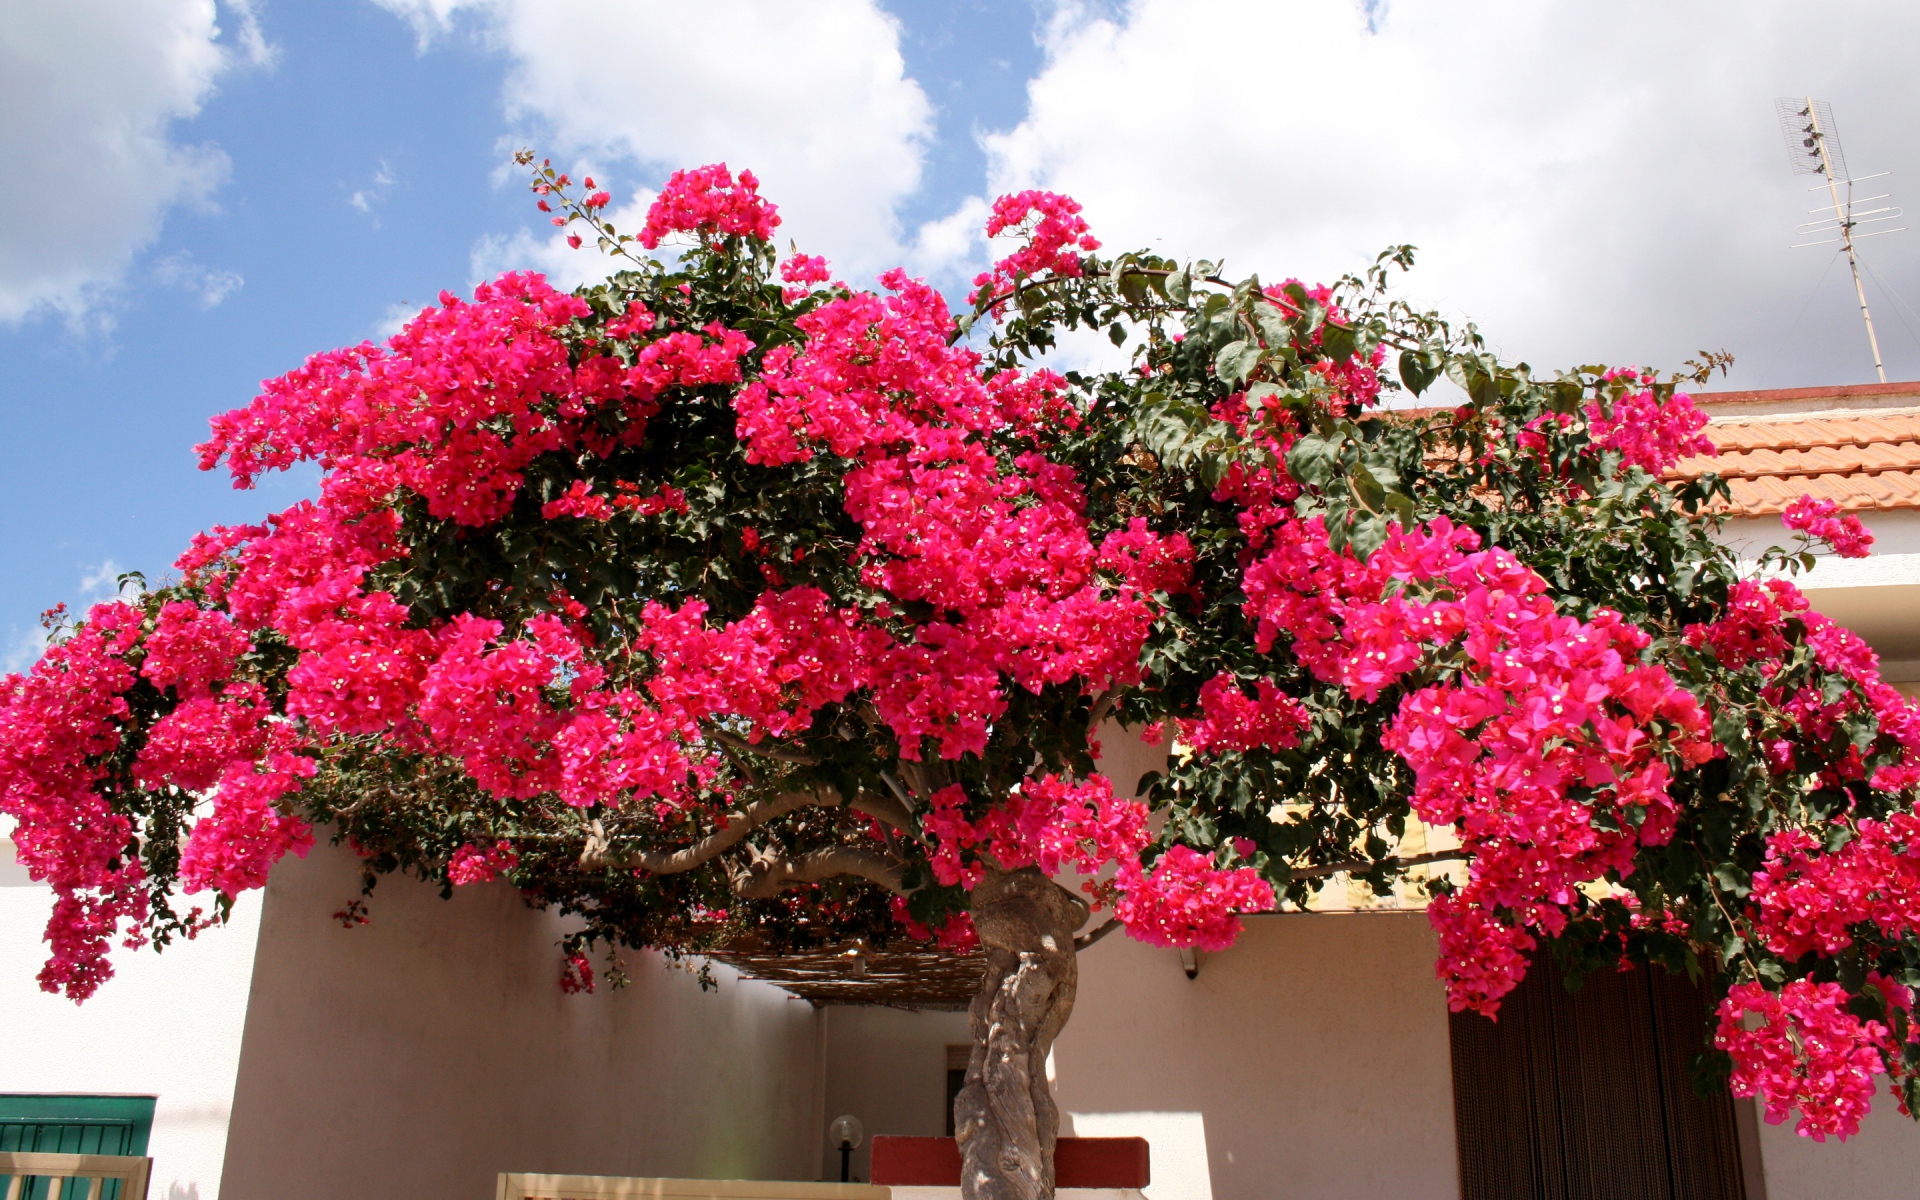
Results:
[423, 1053]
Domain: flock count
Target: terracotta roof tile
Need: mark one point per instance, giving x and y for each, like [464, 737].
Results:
[1785, 433]
[1863, 462]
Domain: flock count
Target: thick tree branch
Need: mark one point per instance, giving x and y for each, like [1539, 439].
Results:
[739, 824]
[898, 789]
[764, 749]
[882, 808]
[766, 876]
[922, 778]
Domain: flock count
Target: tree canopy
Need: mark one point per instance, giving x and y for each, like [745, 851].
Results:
[724, 597]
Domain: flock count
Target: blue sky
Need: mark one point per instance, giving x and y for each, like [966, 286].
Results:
[1595, 185]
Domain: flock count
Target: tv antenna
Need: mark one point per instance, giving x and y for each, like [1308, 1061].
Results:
[1813, 147]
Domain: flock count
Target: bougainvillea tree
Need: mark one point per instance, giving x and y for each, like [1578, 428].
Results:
[725, 598]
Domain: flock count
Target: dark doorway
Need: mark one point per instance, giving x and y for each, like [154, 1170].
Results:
[1587, 1095]
[957, 1059]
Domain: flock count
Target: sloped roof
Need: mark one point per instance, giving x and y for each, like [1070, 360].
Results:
[1856, 446]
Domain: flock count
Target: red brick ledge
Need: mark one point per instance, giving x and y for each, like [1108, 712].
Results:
[1850, 391]
[1077, 1162]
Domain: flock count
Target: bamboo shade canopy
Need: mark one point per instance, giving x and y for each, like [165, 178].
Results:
[901, 975]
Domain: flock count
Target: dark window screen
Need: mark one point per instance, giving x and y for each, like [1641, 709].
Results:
[1587, 1095]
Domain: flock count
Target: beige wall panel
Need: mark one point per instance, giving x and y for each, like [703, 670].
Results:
[1310, 1061]
[1883, 1160]
[428, 1051]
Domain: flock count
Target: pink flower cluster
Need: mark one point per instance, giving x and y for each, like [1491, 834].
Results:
[708, 202]
[426, 412]
[777, 666]
[1052, 230]
[1231, 720]
[55, 724]
[1805, 1051]
[1056, 824]
[1807, 899]
[1049, 822]
[1001, 547]
[473, 863]
[1646, 433]
[1823, 521]
[59, 722]
[1185, 900]
[956, 933]
[191, 649]
[1752, 630]
[1541, 705]
[232, 848]
[1750, 627]
[804, 269]
[576, 974]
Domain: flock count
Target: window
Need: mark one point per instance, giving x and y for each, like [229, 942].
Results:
[1587, 1095]
[67, 1124]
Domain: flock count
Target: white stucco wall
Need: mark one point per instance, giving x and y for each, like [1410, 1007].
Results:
[424, 1053]
[167, 1025]
[1883, 1160]
[887, 1067]
[1309, 1061]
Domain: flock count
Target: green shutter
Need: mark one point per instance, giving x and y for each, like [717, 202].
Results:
[68, 1124]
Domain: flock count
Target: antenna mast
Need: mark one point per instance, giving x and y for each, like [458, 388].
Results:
[1813, 146]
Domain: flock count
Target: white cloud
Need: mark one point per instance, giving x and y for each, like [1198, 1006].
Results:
[253, 43]
[103, 583]
[364, 199]
[88, 92]
[954, 247]
[23, 649]
[548, 252]
[1587, 181]
[394, 319]
[209, 285]
[813, 97]
[429, 18]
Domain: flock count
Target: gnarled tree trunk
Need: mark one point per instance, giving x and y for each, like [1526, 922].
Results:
[1004, 1117]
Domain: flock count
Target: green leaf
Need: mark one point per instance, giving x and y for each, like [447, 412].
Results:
[1236, 361]
[1180, 286]
[1337, 342]
[1313, 459]
[1367, 534]
[1274, 327]
[1177, 432]
[1417, 370]
[1259, 393]
[1030, 299]
[1366, 489]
